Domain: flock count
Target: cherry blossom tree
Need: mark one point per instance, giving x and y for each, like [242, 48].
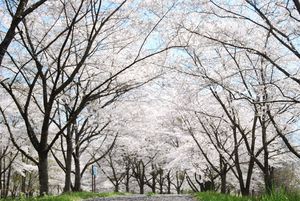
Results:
[64, 56]
[17, 12]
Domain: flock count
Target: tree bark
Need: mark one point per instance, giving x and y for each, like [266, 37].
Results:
[127, 179]
[23, 184]
[43, 173]
[223, 183]
[77, 183]
[169, 181]
[67, 187]
[142, 188]
[117, 187]
[3, 179]
[268, 179]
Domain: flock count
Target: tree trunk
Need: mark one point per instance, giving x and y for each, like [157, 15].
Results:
[43, 173]
[7, 181]
[67, 187]
[77, 185]
[161, 183]
[153, 189]
[169, 183]
[268, 178]
[23, 184]
[153, 186]
[142, 188]
[178, 190]
[30, 185]
[117, 187]
[223, 175]
[142, 181]
[160, 188]
[3, 179]
[245, 191]
[223, 182]
[249, 175]
[127, 180]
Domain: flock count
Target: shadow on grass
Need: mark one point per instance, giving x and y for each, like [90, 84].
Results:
[76, 196]
[275, 196]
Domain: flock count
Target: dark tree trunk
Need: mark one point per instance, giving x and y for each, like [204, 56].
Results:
[245, 191]
[23, 184]
[223, 174]
[76, 157]
[153, 188]
[43, 173]
[77, 184]
[67, 187]
[117, 187]
[223, 183]
[161, 181]
[268, 185]
[127, 179]
[142, 180]
[142, 187]
[169, 182]
[268, 178]
[161, 189]
[3, 179]
[154, 174]
[138, 168]
[8, 181]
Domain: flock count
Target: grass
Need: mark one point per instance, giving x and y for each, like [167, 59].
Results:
[281, 196]
[276, 196]
[150, 194]
[77, 196]
[213, 196]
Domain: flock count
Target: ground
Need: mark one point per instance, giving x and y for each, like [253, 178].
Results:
[146, 198]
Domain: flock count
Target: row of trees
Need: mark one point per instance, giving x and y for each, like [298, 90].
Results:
[226, 101]
[60, 60]
[249, 73]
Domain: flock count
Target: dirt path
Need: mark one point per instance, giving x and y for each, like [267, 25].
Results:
[147, 198]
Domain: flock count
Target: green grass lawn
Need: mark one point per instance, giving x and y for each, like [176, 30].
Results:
[213, 196]
[276, 196]
[67, 197]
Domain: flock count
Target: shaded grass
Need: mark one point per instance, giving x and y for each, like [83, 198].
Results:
[275, 196]
[213, 196]
[151, 194]
[281, 196]
[77, 196]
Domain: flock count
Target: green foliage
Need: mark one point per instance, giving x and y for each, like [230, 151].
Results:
[213, 196]
[66, 197]
[275, 196]
[281, 196]
[150, 194]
